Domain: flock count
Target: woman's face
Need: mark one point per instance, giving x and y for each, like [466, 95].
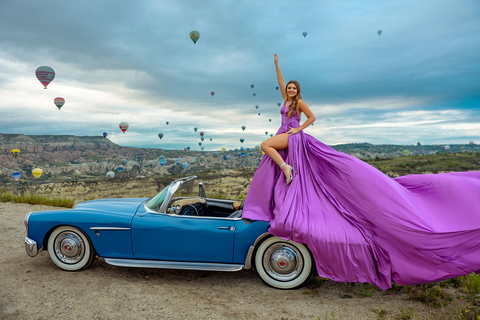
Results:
[291, 90]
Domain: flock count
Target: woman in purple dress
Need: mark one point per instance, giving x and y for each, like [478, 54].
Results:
[292, 109]
[359, 224]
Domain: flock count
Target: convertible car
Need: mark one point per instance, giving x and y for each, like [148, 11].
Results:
[195, 233]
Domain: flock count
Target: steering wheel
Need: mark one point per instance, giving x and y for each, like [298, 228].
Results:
[189, 210]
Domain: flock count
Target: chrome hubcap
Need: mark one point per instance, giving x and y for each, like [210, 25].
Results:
[69, 247]
[282, 262]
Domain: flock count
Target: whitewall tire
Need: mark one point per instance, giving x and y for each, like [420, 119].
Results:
[70, 249]
[283, 264]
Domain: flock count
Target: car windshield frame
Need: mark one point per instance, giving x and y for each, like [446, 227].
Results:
[158, 204]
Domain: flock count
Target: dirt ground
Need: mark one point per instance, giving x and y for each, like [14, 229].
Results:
[34, 288]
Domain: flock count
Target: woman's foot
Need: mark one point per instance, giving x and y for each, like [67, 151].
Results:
[287, 171]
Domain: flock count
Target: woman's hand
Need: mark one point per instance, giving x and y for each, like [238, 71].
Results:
[293, 130]
[275, 58]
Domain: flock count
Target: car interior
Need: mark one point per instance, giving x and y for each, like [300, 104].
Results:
[199, 206]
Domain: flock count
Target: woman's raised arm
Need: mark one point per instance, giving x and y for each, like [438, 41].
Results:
[281, 81]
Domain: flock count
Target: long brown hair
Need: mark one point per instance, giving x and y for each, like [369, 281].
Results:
[293, 107]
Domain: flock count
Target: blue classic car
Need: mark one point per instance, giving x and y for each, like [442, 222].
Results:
[195, 233]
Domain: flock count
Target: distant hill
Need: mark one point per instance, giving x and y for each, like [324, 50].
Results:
[82, 157]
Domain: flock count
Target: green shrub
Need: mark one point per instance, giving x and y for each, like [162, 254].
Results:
[33, 199]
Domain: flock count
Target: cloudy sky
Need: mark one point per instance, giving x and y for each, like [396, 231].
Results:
[419, 81]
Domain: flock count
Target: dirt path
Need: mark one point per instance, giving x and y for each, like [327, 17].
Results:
[34, 288]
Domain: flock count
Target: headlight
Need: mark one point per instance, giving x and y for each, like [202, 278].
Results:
[25, 221]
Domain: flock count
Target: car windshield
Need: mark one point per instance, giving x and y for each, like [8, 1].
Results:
[157, 201]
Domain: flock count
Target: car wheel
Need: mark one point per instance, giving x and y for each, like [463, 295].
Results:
[70, 249]
[283, 264]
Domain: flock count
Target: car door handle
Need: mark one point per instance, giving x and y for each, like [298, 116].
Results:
[231, 228]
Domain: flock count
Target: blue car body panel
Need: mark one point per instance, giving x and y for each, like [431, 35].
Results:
[141, 234]
[112, 213]
[245, 235]
[182, 238]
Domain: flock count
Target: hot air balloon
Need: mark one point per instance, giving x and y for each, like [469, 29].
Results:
[279, 104]
[202, 148]
[243, 128]
[471, 143]
[304, 34]
[405, 152]
[201, 133]
[211, 139]
[200, 144]
[215, 155]
[194, 35]
[202, 138]
[178, 161]
[120, 169]
[16, 176]
[188, 148]
[167, 123]
[277, 87]
[15, 152]
[241, 140]
[110, 174]
[271, 135]
[45, 75]
[224, 157]
[259, 113]
[185, 165]
[160, 135]
[254, 94]
[212, 93]
[162, 162]
[257, 106]
[379, 32]
[59, 102]
[123, 126]
[124, 161]
[195, 129]
[223, 149]
[105, 134]
[37, 173]
[266, 133]
[446, 148]
[269, 120]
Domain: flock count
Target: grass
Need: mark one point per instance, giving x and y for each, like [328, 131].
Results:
[33, 199]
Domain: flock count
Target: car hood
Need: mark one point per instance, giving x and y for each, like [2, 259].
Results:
[120, 205]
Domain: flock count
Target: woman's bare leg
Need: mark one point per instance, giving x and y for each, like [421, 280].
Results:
[271, 147]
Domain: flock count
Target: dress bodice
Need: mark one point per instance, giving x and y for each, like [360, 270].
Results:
[287, 123]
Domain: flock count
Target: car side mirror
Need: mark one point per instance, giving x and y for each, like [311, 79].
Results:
[201, 191]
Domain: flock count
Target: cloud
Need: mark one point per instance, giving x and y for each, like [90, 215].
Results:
[135, 62]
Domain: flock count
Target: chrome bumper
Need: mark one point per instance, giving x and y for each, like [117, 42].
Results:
[31, 247]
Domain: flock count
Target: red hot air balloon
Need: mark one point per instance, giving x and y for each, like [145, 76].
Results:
[45, 75]
[212, 93]
[123, 126]
[201, 134]
[59, 102]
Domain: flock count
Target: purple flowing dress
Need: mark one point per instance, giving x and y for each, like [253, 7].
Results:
[360, 224]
